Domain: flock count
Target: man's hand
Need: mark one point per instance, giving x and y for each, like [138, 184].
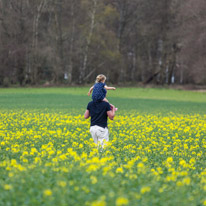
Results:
[86, 114]
[111, 113]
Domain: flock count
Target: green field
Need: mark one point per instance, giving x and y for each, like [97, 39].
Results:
[155, 156]
[126, 99]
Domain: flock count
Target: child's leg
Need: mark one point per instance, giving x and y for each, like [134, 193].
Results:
[111, 106]
[105, 100]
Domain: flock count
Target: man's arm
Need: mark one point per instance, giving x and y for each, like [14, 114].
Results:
[86, 114]
[109, 88]
[111, 113]
[90, 90]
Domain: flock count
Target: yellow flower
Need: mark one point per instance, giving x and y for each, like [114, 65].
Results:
[7, 187]
[33, 150]
[141, 167]
[93, 179]
[2, 143]
[169, 159]
[183, 163]
[179, 183]
[120, 201]
[47, 192]
[98, 203]
[92, 167]
[119, 170]
[145, 189]
[63, 157]
[76, 188]
[62, 183]
[85, 189]
[186, 181]
[37, 160]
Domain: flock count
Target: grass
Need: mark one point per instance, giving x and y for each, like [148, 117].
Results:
[126, 99]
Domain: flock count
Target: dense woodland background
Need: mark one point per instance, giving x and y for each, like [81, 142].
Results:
[71, 41]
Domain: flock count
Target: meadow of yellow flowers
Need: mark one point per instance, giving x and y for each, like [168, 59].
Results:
[49, 158]
[155, 156]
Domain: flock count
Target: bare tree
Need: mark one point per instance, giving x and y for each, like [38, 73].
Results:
[192, 24]
[88, 40]
[38, 8]
[71, 41]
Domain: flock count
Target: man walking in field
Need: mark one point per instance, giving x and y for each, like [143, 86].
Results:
[99, 112]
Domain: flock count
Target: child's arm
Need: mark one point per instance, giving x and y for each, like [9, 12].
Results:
[90, 90]
[109, 88]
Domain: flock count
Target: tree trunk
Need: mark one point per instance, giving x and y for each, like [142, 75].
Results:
[70, 66]
[120, 33]
[88, 42]
[172, 64]
[34, 59]
[59, 42]
[134, 65]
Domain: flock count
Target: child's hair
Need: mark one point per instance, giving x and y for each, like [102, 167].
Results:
[100, 78]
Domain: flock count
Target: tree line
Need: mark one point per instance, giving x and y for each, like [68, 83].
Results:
[71, 41]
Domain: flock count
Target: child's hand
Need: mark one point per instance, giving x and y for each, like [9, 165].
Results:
[89, 93]
[114, 88]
